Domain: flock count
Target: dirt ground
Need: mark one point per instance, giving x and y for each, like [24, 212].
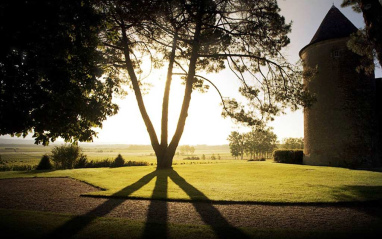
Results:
[63, 195]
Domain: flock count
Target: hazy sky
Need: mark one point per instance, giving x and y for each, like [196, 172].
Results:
[204, 124]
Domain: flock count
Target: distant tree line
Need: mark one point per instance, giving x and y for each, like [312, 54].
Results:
[258, 142]
[186, 149]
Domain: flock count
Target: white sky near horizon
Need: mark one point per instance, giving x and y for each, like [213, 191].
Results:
[204, 124]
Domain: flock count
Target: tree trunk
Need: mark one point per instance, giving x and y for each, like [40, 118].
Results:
[138, 94]
[164, 160]
[167, 158]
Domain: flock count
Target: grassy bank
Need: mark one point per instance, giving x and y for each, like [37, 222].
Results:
[237, 181]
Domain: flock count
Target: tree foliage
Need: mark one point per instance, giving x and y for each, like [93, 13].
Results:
[194, 38]
[51, 70]
[371, 37]
[260, 140]
[236, 144]
[293, 143]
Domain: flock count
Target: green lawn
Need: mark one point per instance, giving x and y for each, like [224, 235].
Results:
[238, 181]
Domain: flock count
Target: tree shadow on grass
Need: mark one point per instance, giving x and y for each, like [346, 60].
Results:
[78, 223]
[366, 194]
[157, 215]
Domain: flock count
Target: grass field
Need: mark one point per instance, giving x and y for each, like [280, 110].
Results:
[238, 181]
[201, 180]
[25, 154]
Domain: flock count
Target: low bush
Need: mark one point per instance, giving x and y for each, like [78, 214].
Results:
[118, 161]
[137, 163]
[260, 159]
[106, 163]
[288, 156]
[16, 168]
[192, 158]
[45, 163]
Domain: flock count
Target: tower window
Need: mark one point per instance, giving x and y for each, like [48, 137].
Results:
[336, 53]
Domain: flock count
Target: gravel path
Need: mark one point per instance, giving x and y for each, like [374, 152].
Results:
[63, 195]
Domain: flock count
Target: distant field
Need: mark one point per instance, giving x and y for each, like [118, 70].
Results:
[24, 154]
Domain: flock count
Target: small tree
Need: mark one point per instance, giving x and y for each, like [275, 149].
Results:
[45, 163]
[118, 161]
[65, 156]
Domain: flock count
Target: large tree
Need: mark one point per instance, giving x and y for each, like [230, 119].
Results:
[372, 15]
[51, 70]
[194, 38]
[59, 58]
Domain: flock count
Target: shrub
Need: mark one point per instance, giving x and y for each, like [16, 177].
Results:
[118, 161]
[288, 156]
[192, 158]
[65, 156]
[16, 168]
[137, 163]
[82, 162]
[45, 163]
[259, 159]
[204, 157]
[99, 164]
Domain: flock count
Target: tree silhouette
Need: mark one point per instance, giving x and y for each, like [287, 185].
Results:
[194, 38]
[372, 15]
[51, 70]
[157, 216]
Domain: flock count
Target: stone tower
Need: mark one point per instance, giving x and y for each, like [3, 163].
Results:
[340, 129]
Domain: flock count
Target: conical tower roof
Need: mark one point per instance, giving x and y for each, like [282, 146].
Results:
[335, 25]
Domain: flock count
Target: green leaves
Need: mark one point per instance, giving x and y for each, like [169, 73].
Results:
[51, 71]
